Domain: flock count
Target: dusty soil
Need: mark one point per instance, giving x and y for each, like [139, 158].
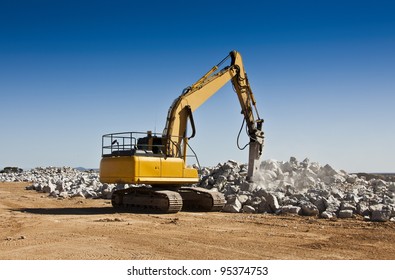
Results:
[34, 226]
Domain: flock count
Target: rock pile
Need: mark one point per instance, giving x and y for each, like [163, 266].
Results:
[302, 188]
[62, 182]
[282, 187]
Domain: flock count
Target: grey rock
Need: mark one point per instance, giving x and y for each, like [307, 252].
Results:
[377, 206]
[391, 187]
[260, 192]
[89, 193]
[309, 209]
[320, 204]
[263, 206]
[220, 182]
[54, 194]
[382, 215]
[64, 195]
[347, 206]
[343, 214]
[255, 201]
[332, 204]
[291, 209]
[363, 208]
[351, 179]
[243, 198]
[49, 188]
[248, 209]
[327, 170]
[107, 193]
[233, 207]
[246, 186]
[328, 215]
[272, 202]
[78, 194]
[230, 189]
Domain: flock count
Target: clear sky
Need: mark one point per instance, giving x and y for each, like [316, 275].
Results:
[323, 73]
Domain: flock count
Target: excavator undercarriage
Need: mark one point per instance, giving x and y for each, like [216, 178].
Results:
[153, 199]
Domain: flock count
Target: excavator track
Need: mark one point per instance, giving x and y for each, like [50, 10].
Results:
[147, 200]
[200, 199]
[165, 201]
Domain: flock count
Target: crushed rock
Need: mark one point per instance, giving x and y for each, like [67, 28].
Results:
[282, 187]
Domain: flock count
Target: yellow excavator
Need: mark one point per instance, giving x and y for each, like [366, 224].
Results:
[157, 163]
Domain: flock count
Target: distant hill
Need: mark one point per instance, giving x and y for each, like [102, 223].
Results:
[82, 169]
[389, 177]
[11, 170]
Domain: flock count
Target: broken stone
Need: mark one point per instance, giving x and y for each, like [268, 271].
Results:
[233, 207]
[291, 209]
[243, 198]
[246, 186]
[248, 209]
[328, 215]
[49, 188]
[363, 208]
[347, 206]
[383, 215]
[309, 209]
[331, 204]
[320, 204]
[344, 214]
[272, 202]
[351, 178]
[63, 195]
[78, 194]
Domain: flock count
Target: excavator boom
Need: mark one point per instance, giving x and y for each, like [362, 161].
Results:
[195, 95]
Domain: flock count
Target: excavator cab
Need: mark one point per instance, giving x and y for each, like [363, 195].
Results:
[151, 143]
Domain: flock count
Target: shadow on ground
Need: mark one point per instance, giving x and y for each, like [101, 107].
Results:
[84, 211]
[68, 211]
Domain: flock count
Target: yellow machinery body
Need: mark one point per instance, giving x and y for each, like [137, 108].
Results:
[146, 170]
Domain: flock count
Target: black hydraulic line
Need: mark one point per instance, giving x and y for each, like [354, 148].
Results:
[223, 60]
[188, 108]
[238, 136]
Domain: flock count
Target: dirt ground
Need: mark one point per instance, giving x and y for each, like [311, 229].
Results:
[34, 226]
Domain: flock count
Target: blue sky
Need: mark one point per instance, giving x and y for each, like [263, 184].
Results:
[322, 73]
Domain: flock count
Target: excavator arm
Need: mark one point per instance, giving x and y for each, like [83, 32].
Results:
[194, 96]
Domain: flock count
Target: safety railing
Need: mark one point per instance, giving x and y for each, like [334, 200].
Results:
[116, 143]
[142, 143]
